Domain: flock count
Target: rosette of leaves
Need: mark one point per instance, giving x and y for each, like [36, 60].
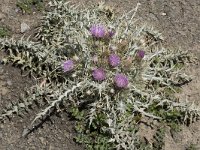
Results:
[137, 78]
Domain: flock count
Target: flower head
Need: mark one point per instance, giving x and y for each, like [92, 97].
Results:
[121, 81]
[68, 65]
[141, 54]
[98, 31]
[127, 62]
[114, 60]
[99, 74]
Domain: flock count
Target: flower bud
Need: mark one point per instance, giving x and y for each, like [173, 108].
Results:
[127, 63]
[68, 65]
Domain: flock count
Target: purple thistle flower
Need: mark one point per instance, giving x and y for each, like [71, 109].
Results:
[68, 65]
[141, 54]
[99, 74]
[114, 60]
[121, 81]
[98, 31]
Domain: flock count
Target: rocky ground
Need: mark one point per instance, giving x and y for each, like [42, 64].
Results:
[178, 20]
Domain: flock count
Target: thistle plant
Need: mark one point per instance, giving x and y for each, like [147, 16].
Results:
[104, 70]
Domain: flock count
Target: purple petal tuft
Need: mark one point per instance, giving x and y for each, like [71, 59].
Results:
[98, 31]
[141, 53]
[99, 74]
[114, 60]
[121, 81]
[68, 65]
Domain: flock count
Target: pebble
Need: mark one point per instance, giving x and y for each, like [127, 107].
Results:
[1, 132]
[17, 10]
[2, 16]
[163, 14]
[1, 70]
[9, 82]
[24, 27]
[1, 135]
[43, 141]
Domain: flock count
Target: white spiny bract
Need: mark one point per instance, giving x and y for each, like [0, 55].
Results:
[113, 111]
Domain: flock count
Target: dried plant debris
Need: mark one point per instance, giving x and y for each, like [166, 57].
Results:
[105, 71]
[4, 31]
[27, 6]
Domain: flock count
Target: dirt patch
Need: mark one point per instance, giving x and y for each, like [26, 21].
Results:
[178, 20]
[56, 133]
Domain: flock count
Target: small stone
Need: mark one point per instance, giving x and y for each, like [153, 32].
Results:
[1, 126]
[42, 140]
[1, 135]
[4, 91]
[17, 10]
[9, 82]
[163, 14]
[24, 27]
[1, 70]
[2, 16]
